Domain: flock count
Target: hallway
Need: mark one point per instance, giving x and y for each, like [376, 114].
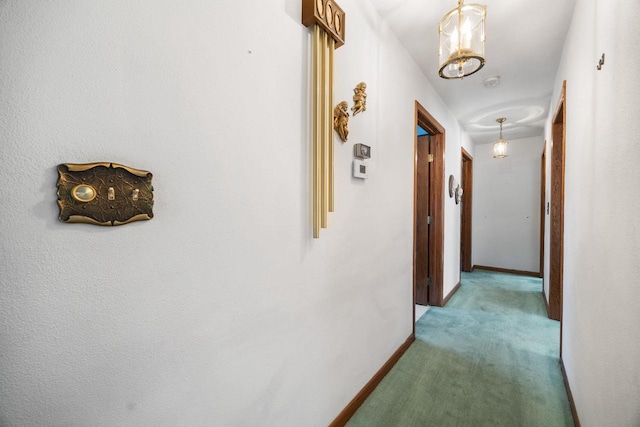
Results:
[489, 358]
[224, 309]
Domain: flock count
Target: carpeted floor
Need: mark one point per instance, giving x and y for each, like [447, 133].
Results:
[489, 358]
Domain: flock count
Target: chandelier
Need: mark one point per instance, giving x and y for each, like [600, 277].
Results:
[501, 145]
[461, 39]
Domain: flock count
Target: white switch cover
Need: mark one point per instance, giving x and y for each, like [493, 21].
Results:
[359, 169]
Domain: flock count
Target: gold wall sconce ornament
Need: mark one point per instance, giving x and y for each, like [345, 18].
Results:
[328, 22]
[461, 41]
[359, 98]
[341, 120]
[104, 193]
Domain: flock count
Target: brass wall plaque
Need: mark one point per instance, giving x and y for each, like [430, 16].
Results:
[104, 193]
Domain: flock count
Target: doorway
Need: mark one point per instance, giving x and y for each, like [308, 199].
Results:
[423, 186]
[428, 218]
[543, 186]
[466, 181]
[556, 242]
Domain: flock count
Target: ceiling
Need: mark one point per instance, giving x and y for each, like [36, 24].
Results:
[524, 40]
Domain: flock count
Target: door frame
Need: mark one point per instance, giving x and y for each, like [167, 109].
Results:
[466, 217]
[422, 272]
[543, 200]
[556, 242]
[436, 205]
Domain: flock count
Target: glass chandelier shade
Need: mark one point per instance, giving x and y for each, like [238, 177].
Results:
[461, 41]
[501, 146]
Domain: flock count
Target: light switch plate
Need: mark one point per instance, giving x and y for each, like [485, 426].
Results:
[104, 193]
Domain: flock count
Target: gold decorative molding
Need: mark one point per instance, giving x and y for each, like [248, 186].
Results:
[359, 98]
[104, 193]
[327, 19]
[341, 120]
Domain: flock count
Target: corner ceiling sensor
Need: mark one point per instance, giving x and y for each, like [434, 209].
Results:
[501, 145]
[461, 41]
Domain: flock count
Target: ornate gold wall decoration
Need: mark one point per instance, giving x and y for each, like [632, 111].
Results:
[359, 98]
[104, 193]
[328, 21]
[328, 15]
[341, 120]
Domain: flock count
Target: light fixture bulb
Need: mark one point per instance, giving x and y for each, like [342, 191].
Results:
[501, 146]
[461, 41]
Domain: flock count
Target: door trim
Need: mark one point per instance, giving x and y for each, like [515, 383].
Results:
[543, 187]
[436, 205]
[556, 242]
[466, 220]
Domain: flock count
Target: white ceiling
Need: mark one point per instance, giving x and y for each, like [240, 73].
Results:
[524, 40]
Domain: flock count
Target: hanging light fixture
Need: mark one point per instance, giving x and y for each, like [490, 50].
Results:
[501, 145]
[461, 35]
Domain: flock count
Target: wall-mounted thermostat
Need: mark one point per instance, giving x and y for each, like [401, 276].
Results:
[362, 151]
[359, 169]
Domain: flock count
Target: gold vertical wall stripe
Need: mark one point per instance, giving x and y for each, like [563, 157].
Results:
[328, 20]
[332, 44]
[316, 132]
[319, 129]
[324, 134]
[328, 126]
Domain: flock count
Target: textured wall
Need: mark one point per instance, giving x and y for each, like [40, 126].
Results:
[222, 310]
[601, 323]
[506, 206]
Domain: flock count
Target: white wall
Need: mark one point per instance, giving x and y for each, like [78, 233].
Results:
[222, 310]
[506, 206]
[466, 143]
[601, 323]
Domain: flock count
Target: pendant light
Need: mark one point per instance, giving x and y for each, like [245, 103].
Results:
[461, 39]
[501, 145]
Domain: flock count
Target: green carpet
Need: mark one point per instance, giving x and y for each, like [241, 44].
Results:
[489, 358]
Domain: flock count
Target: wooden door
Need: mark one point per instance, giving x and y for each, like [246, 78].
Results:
[434, 212]
[422, 277]
[556, 225]
[465, 211]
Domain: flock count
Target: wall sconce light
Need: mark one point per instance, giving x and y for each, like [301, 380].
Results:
[461, 40]
[501, 145]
